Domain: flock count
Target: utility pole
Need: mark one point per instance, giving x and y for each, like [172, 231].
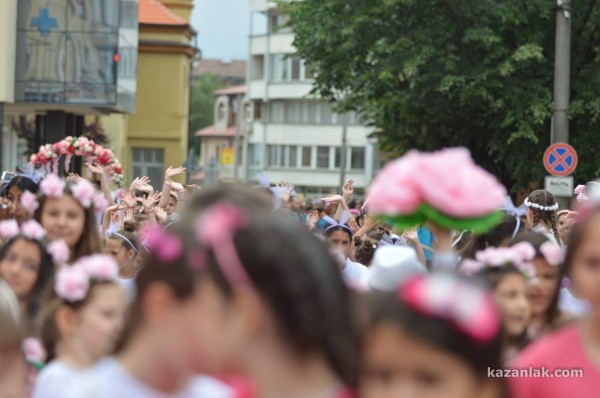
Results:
[240, 108]
[562, 72]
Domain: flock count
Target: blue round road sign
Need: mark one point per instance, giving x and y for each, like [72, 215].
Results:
[560, 159]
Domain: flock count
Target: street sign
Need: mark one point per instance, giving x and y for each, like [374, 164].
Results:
[559, 186]
[560, 159]
[227, 157]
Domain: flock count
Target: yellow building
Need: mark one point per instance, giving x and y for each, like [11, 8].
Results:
[156, 136]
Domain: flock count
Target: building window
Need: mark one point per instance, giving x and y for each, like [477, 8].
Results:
[274, 155]
[276, 112]
[313, 112]
[221, 112]
[306, 156]
[326, 113]
[148, 162]
[323, 157]
[257, 67]
[295, 67]
[338, 158]
[357, 161]
[293, 156]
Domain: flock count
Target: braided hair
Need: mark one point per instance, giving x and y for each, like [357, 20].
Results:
[543, 206]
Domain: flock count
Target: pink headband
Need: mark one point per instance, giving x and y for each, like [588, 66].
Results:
[469, 308]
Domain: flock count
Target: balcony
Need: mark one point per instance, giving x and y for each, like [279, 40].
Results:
[278, 43]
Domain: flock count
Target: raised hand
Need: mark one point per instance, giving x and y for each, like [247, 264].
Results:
[73, 177]
[143, 187]
[129, 198]
[161, 215]
[353, 225]
[312, 219]
[140, 180]
[193, 187]
[175, 186]
[348, 189]
[149, 201]
[95, 168]
[333, 199]
[128, 216]
[173, 171]
[411, 235]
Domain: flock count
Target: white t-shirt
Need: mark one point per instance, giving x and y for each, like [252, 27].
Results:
[53, 379]
[110, 380]
[355, 272]
[568, 303]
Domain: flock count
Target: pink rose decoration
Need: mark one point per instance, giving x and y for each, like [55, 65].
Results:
[525, 252]
[9, 229]
[579, 189]
[29, 202]
[72, 283]
[59, 251]
[166, 246]
[52, 186]
[100, 204]
[219, 224]
[32, 230]
[447, 180]
[553, 254]
[99, 266]
[84, 192]
[34, 351]
[470, 267]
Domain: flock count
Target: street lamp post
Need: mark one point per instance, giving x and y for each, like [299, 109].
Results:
[562, 71]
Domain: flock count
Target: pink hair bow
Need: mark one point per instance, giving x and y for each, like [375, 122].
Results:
[167, 247]
[468, 307]
[216, 229]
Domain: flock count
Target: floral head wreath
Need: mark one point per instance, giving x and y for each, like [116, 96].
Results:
[520, 256]
[52, 186]
[214, 230]
[469, 308]
[537, 206]
[73, 281]
[31, 230]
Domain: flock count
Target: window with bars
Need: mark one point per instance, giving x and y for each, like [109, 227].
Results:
[148, 162]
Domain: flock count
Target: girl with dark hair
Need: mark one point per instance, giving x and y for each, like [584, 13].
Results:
[13, 191]
[364, 250]
[543, 296]
[28, 268]
[541, 216]
[499, 236]
[574, 350]
[340, 238]
[436, 336]
[66, 214]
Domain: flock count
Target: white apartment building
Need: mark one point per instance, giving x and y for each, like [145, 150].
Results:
[293, 136]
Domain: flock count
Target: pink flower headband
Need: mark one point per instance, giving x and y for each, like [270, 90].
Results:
[520, 256]
[580, 192]
[469, 308]
[31, 230]
[73, 282]
[52, 186]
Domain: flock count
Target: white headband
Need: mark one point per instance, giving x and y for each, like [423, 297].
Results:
[125, 239]
[554, 207]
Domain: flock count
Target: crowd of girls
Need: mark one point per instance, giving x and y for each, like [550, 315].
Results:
[249, 292]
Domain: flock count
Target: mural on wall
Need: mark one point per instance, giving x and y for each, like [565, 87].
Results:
[82, 52]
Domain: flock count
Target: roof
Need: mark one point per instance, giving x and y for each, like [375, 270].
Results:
[153, 12]
[222, 68]
[212, 131]
[232, 90]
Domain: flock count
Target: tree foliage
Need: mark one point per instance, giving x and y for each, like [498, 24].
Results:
[203, 103]
[436, 73]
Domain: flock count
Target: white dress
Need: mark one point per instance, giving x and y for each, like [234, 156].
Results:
[52, 380]
[568, 303]
[110, 380]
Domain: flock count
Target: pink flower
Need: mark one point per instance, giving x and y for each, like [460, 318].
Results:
[525, 252]
[100, 204]
[59, 251]
[29, 202]
[470, 267]
[99, 266]
[492, 256]
[84, 192]
[219, 223]
[32, 230]
[166, 246]
[33, 349]
[72, 283]
[579, 189]
[52, 186]
[528, 269]
[552, 253]
[9, 229]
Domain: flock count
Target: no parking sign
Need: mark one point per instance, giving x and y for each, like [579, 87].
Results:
[560, 159]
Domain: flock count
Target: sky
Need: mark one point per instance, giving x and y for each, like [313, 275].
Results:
[223, 28]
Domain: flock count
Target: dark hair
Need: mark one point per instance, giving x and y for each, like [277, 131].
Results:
[544, 198]
[492, 276]
[129, 232]
[494, 238]
[44, 278]
[385, 308]
[49, 333]
[89, 242]
[23, 183]
[330, 230]
[365, 250]
[537, 240]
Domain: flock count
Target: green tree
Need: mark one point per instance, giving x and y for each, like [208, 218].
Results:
[436, 73]
[203, 104]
